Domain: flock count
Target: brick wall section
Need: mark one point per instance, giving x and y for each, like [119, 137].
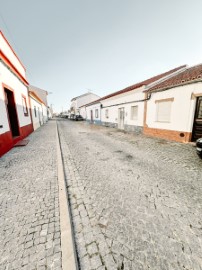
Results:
[173, 135]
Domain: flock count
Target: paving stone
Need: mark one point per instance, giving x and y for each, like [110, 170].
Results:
[138, 198]
[28, 201]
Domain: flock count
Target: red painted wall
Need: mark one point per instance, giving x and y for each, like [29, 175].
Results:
[7, 141]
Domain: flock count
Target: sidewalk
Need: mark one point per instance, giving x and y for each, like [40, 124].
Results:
[30, 234]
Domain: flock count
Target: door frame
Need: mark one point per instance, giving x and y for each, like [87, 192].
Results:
[6, 87]
[195, 116]
[91, 115]
[121, 111]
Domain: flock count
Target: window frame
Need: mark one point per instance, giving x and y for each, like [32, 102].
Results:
[157, 102]
[131, 113]
[24, 105]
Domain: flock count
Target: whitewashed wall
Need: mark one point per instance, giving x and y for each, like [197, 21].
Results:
[45, 113]
[83, 112]
[182, 108]
[9, 79]
[130, 96]
[37, 119]
[93, 108]
[83, 100]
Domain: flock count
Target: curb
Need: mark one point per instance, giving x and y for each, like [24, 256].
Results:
[69, 258]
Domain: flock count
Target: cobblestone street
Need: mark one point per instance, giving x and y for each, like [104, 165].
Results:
[136, 201]
[29, 207]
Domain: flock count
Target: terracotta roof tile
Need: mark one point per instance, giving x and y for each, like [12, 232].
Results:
[191, 74]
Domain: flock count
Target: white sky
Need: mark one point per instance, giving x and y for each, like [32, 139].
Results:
[70, 46]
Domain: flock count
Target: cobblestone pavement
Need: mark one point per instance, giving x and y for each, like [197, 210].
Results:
[29, 211]
[136, 201]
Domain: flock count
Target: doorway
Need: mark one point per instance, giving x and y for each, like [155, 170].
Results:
[12, 113]
[197, 127]
[91, 115]
[121, 116]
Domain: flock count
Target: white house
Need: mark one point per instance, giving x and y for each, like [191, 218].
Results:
[174, 108]
[36, 110]
[124, 109]
[42, 95]
[82, 111]
[15, 117]
[93, 112]
[78, 102]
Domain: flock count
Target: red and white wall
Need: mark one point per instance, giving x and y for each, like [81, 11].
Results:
[13, 83]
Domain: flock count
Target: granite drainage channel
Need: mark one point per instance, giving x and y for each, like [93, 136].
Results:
[70, 259]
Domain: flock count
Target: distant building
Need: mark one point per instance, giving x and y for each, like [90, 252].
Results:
[37, 108]
[81, 100]
[42, 95]
[92, 112]
[124, 109]
[15, 115]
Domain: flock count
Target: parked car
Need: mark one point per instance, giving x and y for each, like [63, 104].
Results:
[72, 116]
[199, 147]
[78, 118]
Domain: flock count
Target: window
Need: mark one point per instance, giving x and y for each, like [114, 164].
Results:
[35, 111]
[134, 112]
[163, 110]
[107, 113]
[24, 106]
[96, 113]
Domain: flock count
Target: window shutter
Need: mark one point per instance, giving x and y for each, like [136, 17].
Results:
[134, 112]
[164, 111]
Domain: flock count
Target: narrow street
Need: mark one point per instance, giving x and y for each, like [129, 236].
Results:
[136, 202]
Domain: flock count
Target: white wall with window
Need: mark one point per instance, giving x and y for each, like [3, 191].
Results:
[93, 113]
[20, 91]
[163, 110]
[174, 108]
[36, 111]
[134, 111]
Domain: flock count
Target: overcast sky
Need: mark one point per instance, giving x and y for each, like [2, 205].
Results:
[71, 46]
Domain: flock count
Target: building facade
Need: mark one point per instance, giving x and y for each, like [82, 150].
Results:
[93, 112]
[78, 102]
[42, 95]
[15, 120]
[36, 110]
[174, 109]
[124, 109]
